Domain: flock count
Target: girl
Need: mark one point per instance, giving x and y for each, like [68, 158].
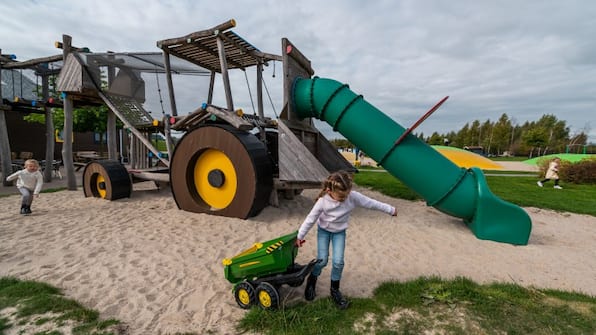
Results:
[331, 213]
[29, 182]
[552, 173]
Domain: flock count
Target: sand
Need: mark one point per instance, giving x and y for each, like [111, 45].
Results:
[158, 269]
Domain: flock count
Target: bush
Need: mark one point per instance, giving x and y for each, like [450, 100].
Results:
[582, 172]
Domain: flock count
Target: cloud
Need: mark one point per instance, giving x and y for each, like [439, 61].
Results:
[525, 59]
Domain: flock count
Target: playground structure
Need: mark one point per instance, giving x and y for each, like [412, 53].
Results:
[28, 101]
[233, 164]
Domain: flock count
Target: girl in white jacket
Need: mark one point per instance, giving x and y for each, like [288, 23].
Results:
[29, 183]
[331, 213]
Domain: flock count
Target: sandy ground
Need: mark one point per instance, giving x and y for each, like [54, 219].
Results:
[158, 269]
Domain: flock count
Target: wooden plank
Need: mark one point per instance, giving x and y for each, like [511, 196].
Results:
[296, 162]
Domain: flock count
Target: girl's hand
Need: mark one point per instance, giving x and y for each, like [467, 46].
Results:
[394, 212]
[299, 242]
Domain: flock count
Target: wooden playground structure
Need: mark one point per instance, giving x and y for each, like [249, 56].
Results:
[227, 162]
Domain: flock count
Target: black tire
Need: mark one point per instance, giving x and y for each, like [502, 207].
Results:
[244, 293]
[221, 170]
[107, 179]
[267, 296]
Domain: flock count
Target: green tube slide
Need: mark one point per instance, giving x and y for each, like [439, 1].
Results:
[450, 189]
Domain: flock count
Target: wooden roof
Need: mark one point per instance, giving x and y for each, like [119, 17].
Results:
[201, 48]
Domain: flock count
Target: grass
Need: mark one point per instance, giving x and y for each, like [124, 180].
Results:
[38, 308]
[521, 191]
[436, 306]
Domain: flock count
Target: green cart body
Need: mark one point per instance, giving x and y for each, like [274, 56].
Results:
[262, 259]
[260, 270]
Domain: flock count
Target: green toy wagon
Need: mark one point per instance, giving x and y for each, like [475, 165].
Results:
[259, 271]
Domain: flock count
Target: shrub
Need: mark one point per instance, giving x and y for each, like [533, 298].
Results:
[582, 172]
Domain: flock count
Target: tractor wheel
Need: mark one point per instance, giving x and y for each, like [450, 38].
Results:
[267, 296]
[107, 179]
[221, 170]
[244, 293]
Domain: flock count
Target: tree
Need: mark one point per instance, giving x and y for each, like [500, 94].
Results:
[535, 138]
[501, 134]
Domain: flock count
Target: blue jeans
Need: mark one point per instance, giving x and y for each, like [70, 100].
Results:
[27, 196]
[324, 238]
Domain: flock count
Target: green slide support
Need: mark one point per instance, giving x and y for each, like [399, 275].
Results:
[450, 189]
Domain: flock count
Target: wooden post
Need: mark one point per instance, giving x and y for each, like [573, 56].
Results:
[111, 125]
[224, 72]
[68, 125]
[4, 142]
[211, 86]
[166, 58]
[260, 90]
[45, 92]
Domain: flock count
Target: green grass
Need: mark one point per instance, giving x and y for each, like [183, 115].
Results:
[39, 304]
[521, 191]
[436, 306]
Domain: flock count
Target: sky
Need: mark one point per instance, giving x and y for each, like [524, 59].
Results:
[522, 58]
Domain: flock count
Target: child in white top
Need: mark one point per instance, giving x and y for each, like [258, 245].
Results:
[29, 183]
[331, 213]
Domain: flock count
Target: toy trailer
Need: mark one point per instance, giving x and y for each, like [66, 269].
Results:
[227, 163]
[260, 270]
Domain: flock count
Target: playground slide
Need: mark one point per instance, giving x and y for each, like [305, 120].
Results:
[456, 191]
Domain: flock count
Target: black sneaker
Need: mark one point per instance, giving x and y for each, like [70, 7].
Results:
[23, 210]
[28, 210]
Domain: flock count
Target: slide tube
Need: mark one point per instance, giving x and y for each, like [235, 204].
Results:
[450, 189]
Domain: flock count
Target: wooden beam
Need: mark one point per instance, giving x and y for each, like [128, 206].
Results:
[33, 62]
[199, 34]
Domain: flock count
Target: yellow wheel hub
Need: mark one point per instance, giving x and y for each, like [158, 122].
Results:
[265, 299]
[215, 178]
[100, 183]
[244, 296]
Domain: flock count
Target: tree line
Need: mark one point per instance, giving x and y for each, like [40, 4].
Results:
[503, 137]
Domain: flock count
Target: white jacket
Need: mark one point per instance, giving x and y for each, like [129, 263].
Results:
[30, 180]
[333, 215]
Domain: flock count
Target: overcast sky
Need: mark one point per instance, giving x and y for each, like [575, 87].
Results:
[522, 58]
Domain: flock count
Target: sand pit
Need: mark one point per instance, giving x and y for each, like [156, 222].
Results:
[158, 269]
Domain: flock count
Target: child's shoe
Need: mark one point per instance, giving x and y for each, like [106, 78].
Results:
[23, 210]
[337, 297]
[558, 187]
[539, 183]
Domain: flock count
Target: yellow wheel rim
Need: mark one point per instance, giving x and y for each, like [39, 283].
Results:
[244, 296]
[265, 299]
[101, 188]
[216, 196]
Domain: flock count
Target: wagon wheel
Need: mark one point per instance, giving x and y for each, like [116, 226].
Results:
[221, 170]
[244, 293]
[267, 296]
[106, 179]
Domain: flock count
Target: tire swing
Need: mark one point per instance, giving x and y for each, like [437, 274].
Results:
[106, 179]
[221, 170]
